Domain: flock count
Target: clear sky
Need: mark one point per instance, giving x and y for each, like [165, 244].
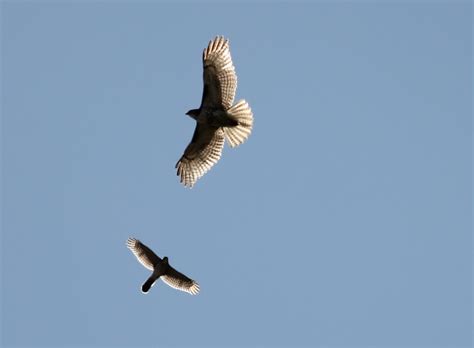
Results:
[344, 220]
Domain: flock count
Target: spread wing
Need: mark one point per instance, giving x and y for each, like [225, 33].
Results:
[202, 153]
[179, 281]
[220, 80]
[143, 254]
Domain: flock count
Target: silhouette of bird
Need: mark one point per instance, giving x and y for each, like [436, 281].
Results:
[216, 118]
[161, 269]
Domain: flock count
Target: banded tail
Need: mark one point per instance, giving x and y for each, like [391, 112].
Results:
[242, 113]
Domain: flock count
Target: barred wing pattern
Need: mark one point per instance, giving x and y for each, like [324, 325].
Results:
[179, 281]
[216, 118]
[220, 80]
[161, 269]
[143, 254]
[201, 154]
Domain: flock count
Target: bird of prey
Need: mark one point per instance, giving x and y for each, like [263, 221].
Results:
[217, 119]
[161, 269]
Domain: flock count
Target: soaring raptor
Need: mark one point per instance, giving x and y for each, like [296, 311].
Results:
[217, 119]
[161, 269]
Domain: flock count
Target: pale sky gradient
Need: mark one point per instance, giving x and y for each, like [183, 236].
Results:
[344, 221]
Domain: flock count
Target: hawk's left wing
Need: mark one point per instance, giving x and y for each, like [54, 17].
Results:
[179, 281]
[220, 80]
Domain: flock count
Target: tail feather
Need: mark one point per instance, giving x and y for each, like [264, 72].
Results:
[242, 113]
[148, 284]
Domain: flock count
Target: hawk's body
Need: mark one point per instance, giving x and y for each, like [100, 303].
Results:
[216, 118]
[161, 269]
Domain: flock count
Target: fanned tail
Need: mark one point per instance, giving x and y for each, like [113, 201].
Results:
[242, 113]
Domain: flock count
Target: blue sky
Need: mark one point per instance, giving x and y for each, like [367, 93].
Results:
[344, 220]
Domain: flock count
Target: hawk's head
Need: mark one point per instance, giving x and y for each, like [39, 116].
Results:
[193, 113]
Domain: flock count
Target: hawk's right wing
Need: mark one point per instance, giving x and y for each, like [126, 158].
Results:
[220, 80]
[201, 154]
[143, 254]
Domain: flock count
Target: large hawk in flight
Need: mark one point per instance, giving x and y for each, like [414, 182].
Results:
[217, 119]
[161, 269]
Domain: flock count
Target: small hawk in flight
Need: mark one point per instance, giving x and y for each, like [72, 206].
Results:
[217, 119]
[161, 269]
